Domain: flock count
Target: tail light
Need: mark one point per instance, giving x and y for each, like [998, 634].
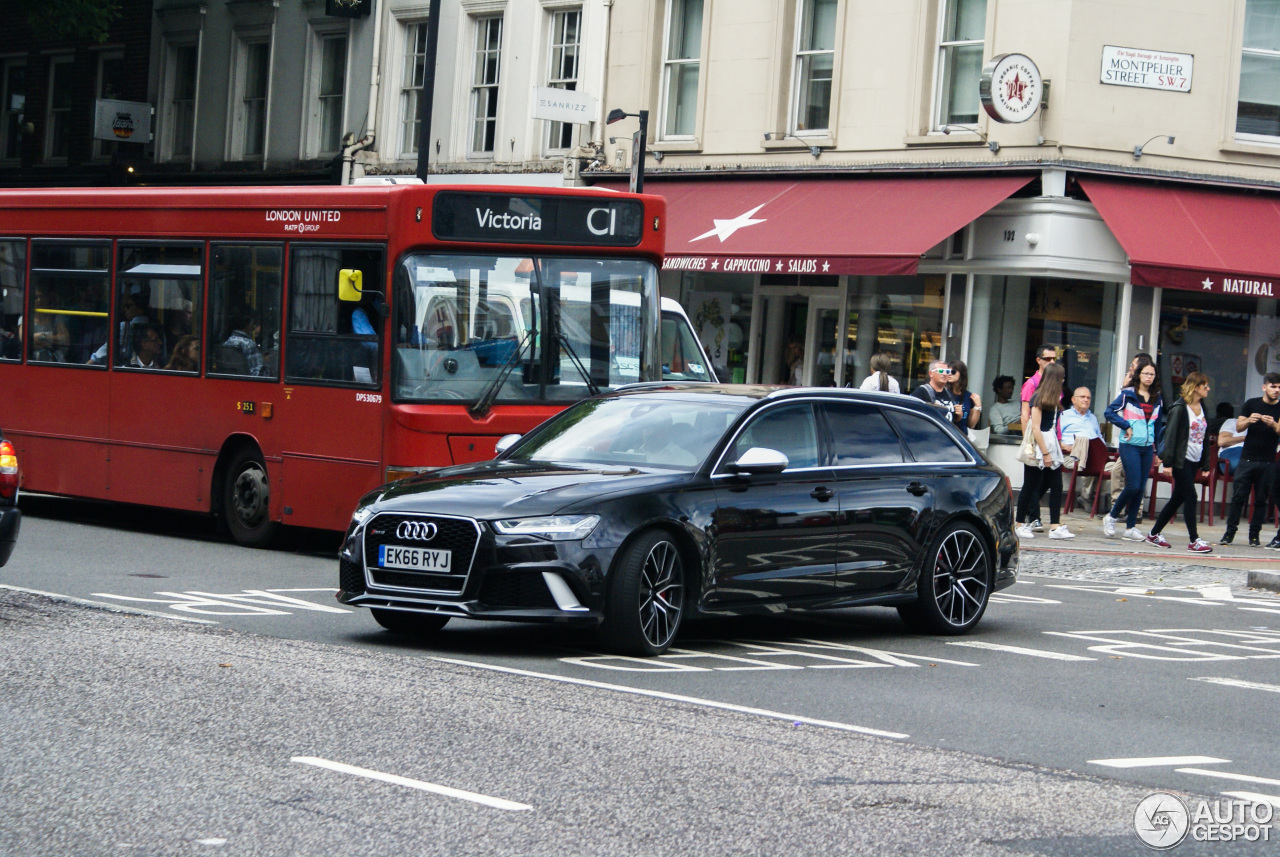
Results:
[8, 470]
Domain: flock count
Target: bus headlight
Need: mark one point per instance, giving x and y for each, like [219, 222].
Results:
[557, 528]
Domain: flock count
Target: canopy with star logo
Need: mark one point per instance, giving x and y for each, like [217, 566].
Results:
[1200, 239]
[866, 226]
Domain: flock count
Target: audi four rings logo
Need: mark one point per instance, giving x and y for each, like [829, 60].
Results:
[419, 530]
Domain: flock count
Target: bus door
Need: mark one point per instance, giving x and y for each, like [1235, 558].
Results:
[332, 410]
[64, 401]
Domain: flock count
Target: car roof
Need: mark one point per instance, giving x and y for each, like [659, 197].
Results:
[779, 393]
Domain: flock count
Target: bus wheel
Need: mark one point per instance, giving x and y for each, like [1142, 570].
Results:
[246, 499]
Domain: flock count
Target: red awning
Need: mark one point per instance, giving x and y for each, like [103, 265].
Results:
[1217, 241]
[869, 226]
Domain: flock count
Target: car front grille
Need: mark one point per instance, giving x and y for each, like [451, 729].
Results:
[513, 589]
[460, 536]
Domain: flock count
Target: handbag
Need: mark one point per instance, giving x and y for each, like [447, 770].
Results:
[1028, 454]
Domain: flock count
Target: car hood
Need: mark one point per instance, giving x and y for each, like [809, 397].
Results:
[500, 489]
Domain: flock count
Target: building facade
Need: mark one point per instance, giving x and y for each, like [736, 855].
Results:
[835, 182]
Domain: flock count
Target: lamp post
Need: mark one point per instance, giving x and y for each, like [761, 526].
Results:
[639, 142]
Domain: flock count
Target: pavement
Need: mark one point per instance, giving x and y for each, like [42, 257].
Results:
[1092, 554]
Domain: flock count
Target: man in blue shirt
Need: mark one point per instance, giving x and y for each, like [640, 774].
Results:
[1079, 425]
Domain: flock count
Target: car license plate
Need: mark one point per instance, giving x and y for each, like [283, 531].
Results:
[414, 559]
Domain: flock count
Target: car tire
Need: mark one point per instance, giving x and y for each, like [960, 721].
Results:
[646, 602]
[954, 585]
[246, 499]
[409, 624]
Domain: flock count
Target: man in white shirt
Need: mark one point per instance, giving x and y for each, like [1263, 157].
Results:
[1004, 411]
[1079, 425]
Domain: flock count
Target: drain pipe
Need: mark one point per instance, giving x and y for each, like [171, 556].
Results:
[349, 152]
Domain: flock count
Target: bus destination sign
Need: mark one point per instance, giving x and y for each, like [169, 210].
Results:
[500, 218]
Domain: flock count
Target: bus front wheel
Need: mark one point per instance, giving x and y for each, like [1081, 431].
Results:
[246, 499]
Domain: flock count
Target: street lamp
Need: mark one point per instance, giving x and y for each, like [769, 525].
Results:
[639, 142]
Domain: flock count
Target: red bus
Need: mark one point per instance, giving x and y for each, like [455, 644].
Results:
[271, 354]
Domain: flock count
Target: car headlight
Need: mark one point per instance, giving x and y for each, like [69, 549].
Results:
[360, 515]
[557, 528]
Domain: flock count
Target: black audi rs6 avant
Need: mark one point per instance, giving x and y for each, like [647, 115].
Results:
[635, 510]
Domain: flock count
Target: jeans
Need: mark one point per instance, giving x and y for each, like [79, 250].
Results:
[1136, 461]
[1184, 494]
[1256, 475]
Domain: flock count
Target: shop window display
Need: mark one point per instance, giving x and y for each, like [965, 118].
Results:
[1233, 340]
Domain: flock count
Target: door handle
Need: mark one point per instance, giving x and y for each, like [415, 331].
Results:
[822, 493]
[918, 488]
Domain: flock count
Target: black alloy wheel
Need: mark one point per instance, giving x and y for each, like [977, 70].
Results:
[409, 624]
[954, 585]
[647, 596]
[246, 499]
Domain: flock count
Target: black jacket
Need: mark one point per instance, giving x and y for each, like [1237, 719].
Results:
[1177, 431]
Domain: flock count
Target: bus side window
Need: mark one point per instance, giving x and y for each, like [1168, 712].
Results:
[13, 272]
[331, 340]
[69, 301]
[244, 310]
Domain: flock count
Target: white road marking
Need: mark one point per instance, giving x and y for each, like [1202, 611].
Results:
[1158, 761]
[1018, 650]
[250, 602]
[1243, 778]
[102, 605]
[673, 697]
[211, 841]
[1007, 597]
[1137, 592]
[1134, 644]
[1254, 797]
[1234, 682]
[446, 791]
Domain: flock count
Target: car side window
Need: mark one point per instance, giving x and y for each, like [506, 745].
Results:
[790, 429]
[926, 441]
[860, 434]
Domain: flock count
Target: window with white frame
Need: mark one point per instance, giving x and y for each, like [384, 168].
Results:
[413, 73]
[179, 116]
[58, 112]
[1258, 108]
[328, 83]
[815, 64]
[110, 85]
[961, 30]
[566, 47]
[486, 70]
[253, 80]
[13, 89]
[680, 68]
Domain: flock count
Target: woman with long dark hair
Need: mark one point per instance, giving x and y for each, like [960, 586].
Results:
[1046, 405]
[1137, 412]
[1185, 453]
[969, 401]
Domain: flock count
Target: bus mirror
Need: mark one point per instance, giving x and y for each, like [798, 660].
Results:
[350, 282]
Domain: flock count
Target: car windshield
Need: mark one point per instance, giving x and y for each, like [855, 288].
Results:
[520, 329]
[649, 431]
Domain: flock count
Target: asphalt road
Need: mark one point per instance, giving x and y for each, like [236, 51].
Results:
[1114, 688]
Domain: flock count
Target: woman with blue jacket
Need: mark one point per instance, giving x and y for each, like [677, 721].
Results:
[1136, 411]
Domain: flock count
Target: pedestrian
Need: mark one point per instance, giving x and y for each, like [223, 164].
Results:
[970, 403]
[1260, 421]
[1137, 411]
[1045, 355]
[1045, 410]
[1078, 426]
[936, 391]
[794, 358]
[880, 379]
[1185, 453]
[1004, 411]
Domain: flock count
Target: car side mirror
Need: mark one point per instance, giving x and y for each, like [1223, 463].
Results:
[506, 442]
[759, 459]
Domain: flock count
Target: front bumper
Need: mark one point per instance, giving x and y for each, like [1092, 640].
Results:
[509, 578]
[10, 523]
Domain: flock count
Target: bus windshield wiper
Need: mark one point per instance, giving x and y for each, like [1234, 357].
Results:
[485, 402]
[582, 370]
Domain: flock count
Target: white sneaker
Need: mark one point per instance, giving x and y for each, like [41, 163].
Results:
[1061, 533]
[1134, 534]
[1025, 532]
[1109, 526]
[1036, 526]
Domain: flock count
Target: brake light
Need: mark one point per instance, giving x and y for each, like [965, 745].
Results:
[8, 470]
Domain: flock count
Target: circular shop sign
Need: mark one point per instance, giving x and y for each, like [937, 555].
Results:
[1010, 88]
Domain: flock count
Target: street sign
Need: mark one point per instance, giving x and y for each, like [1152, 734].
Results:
[563, 105]
[122, 121]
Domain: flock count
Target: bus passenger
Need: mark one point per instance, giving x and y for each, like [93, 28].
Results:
[147, 345]
[49, 335]
[243, 339]
[186, 355]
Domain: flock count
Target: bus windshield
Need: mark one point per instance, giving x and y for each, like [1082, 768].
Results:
[540, 328]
